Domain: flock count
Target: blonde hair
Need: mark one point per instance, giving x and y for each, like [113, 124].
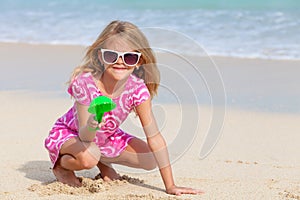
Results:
[130, 33]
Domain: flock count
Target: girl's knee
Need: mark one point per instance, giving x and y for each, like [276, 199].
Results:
[93, 151]
[150, 166]
[90, 157]
[87, 161]
[149, 163]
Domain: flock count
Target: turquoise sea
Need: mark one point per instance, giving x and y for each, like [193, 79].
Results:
[239, 28]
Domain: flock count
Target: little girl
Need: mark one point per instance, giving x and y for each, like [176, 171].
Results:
[121, 65]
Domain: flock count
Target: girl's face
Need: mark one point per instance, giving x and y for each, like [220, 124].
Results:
[118, 71]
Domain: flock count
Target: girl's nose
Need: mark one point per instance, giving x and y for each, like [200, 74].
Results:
[120, 60]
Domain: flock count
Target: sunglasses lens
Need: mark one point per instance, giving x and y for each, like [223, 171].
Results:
[110, 57]
[131, 58]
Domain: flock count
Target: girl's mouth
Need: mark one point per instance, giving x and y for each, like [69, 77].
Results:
[119, 68]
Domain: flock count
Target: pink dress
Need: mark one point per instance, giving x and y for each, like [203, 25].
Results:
[110, 139]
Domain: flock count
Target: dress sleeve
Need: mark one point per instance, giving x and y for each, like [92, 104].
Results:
[141, 94]
[79, 91]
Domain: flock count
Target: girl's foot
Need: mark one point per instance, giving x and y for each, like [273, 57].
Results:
[107, 172]
[66, 176]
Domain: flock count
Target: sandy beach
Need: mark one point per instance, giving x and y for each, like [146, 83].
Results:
[256, 156]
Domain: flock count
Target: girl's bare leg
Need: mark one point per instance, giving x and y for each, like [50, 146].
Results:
[64, 175]
[75, 155]
[137, 154]
[108, 173]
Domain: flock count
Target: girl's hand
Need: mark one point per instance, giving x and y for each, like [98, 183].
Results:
[92, 124]
[183, 190]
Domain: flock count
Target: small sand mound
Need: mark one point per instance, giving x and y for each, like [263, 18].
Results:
[88, 186]
[291, 194]
[131, 180]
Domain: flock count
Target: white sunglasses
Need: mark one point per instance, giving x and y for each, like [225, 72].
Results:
[129, 58]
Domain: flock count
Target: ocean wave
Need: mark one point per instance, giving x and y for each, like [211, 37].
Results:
[223, 32]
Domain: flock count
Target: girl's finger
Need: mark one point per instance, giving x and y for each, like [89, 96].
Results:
[101, 124]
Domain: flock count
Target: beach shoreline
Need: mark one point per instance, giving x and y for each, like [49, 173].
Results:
[277, 80]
